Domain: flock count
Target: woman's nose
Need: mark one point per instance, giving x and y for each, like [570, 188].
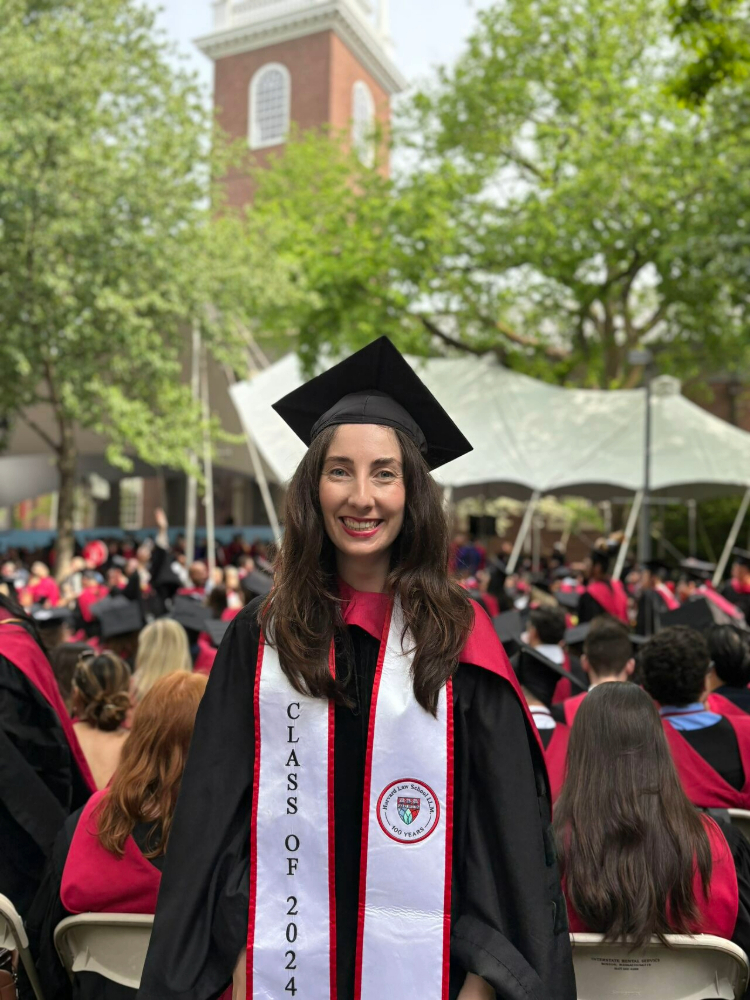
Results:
[361, 495]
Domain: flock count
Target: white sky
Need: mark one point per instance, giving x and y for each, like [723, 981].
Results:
[425, 32]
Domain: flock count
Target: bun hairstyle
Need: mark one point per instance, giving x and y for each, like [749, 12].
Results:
[100, 685]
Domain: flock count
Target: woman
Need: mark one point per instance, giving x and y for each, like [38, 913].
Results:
[729, 649]
[108, 858]
[637, 858]
[162, 649]
[344, 764]
[43, 773]
[100, 707]
[602, 595]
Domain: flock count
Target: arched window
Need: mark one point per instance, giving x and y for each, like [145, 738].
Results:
[363, 123]
[270, 100]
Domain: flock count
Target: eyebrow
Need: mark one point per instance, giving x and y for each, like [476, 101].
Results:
[348, 461]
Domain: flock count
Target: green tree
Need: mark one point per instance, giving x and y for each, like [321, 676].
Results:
[554, 203]
[110, 245]
[715, 34]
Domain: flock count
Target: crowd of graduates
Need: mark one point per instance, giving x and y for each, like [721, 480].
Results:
[639, 692]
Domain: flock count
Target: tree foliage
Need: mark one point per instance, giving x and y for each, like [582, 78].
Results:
[553, 202]
[715, 34]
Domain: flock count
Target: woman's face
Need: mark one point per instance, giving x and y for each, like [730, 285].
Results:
[362, 493]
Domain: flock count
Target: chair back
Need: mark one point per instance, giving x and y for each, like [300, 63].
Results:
[690, 968]
[13, 937]
[741, 819]
[113, 945]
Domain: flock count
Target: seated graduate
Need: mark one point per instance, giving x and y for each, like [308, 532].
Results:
[603, 595]
[109, 856]
[43, 773]
[637, 859]
[655, 598]
[737, 589]
[162, 649]
[101, 701]
[545, 631]
[728, 679]
[607, 656]
[711, 752]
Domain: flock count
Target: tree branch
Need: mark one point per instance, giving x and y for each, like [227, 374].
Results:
[42, 434]
[446, 338]
[657, 317]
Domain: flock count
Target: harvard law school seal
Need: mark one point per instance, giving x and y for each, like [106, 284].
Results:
[408, 811]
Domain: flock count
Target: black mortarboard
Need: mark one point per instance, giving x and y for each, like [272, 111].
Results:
[256, 583]
[540, 675]
[216, 627]
[117, 616]
[190, 613]
[375, 386]
[698, 613]
[508, 626]
[696, 569]
[576, 636]
[51, 617]
[656, 566]
[563, 573]
[741, 556]
[569, 599]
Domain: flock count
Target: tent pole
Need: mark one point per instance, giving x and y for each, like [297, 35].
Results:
[692, 507]
[722, 564]
[523, 531]
[629, 529]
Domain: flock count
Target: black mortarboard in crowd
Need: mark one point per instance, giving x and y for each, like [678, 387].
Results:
[256, 583]
[117, 616]
[568, 599]
[375, 386]
[741, 556]
[697, 569]
[508, 627]
[540, 675]
[51, 617]
[657, 567]
[697, 613]
[216, 628]
[190, 613]
[576, 635]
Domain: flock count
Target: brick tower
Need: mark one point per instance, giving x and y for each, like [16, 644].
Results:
[307, 62]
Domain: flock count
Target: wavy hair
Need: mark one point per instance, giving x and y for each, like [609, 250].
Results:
[629, 839]
[100, 690]
[145, 786]
[302, 614]
[162, 648]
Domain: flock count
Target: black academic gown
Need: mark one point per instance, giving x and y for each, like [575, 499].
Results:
[651, 606]
[717, 745]
[741, 600]
[509, 922]
[39, 784]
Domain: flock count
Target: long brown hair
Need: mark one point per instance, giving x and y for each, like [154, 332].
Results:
[100, 690]
[303, 611]
[145, 786]
[629, 838]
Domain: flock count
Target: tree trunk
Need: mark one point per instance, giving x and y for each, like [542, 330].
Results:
[66, 466]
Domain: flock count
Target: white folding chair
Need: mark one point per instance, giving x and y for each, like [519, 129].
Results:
[13, 938]
[741, 819]
[113, 945]
[703, 967]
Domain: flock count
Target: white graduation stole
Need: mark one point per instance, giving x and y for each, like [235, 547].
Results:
[403, 933]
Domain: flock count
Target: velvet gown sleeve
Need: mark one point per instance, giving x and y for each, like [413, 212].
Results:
[201, 917]
[509, 917]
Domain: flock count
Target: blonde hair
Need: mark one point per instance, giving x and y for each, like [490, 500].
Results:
[162, 649]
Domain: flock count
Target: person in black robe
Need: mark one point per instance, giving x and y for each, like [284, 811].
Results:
[40, 781]
[729, 649]
[651, 604]
[508, 923]
[737, 590]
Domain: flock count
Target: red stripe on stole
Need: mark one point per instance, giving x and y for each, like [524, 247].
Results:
[366, 808]
[332, 831]
[254, 826]
[448, 840]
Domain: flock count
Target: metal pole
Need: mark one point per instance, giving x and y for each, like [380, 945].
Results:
[536, 544]
[644, 535]
[208, 469]
[191, 499]
[722, 564]
[629, 529]
[692, 507]
[523, 531]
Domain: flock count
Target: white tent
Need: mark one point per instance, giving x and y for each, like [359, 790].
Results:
[531, 437]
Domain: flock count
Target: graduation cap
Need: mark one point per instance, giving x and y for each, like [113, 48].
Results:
[51, 617]
[190, 613]
[698, 613]
[256, 584]
[375, 386]
[576, 635]
[540, 675]
[569, 599]
[741, 556]
[509, 627]
[216, 628]
[117, 616]
[657, 567]
[697, 569]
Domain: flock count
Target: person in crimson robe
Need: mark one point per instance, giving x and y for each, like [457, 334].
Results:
[737, 589]
[686, 873]
[655, 598]
[43, 773]
[711, 752]
[360, 591]
[602, 595]
[728, 679]
[109, 856]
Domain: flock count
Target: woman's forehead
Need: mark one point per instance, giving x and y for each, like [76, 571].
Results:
[356, 440]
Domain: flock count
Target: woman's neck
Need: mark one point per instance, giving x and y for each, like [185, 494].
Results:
[366, 575]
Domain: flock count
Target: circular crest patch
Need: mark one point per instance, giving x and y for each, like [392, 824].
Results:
[408, 811]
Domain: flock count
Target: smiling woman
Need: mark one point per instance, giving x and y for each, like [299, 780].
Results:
[377, 798]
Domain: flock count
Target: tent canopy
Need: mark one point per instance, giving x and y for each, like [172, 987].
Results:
[530, 436]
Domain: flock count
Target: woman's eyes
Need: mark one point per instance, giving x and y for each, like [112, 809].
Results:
[384, 474]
